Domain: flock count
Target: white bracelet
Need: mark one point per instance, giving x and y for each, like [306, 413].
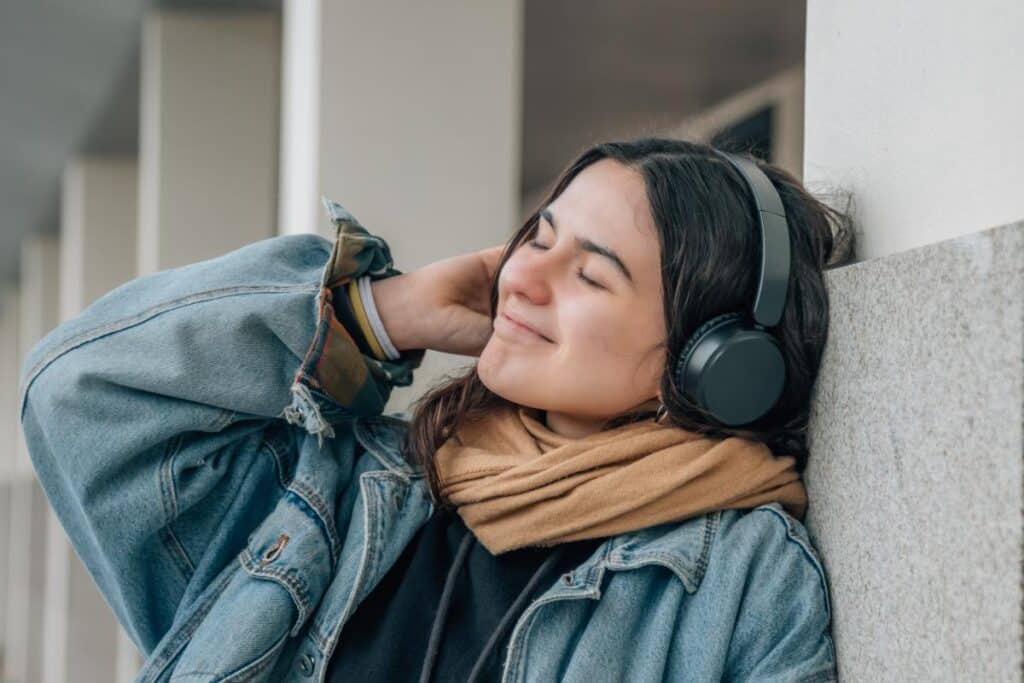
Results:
[366, 294]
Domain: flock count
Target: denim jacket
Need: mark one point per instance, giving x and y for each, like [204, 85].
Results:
[213, 443]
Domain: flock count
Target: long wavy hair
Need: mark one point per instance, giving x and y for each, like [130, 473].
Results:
[710, 254]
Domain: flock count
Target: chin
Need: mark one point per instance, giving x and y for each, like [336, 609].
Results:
[512, 391]
[494, 384]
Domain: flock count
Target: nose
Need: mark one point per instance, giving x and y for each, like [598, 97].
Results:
[528, 273]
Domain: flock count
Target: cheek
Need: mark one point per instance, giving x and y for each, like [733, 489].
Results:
[600, 331]
[620, 341]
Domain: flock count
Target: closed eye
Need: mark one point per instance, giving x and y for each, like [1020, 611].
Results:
[579, 272]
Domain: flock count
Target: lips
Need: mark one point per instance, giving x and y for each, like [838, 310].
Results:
[525, 326]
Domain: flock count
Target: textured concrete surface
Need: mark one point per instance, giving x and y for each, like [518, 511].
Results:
[915, 478]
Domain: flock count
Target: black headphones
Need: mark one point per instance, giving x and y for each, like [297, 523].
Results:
[731, 367]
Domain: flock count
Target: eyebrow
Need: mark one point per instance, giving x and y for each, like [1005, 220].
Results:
[591, 246]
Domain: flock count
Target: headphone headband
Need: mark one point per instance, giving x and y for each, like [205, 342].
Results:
[773, 278]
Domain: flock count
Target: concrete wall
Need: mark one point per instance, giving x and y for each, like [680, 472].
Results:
[915, 476]
[916, 107]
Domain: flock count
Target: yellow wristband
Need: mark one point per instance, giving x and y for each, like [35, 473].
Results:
[364, 322]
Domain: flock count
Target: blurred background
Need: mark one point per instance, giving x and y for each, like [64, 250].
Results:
[137, 136]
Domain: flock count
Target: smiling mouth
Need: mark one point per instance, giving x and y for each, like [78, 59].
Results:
[519, 329]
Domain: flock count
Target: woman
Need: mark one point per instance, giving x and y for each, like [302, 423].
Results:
[211, 438]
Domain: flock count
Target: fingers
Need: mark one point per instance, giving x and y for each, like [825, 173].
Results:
[490, 258]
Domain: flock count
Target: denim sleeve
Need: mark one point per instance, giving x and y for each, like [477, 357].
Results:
[195, 363]
[782, 631]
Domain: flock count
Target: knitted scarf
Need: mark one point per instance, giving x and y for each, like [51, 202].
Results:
[517, 483]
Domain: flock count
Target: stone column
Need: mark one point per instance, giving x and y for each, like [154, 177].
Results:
[408, 117]
[208, 134]
[98, 252]
[24, 648]
[9, 429]
[99, 229]
[208, 147]
[915, 108]
[30, 511]
[5, 511]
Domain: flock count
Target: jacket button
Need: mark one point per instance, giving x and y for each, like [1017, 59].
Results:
[567, 578]
[306, 665]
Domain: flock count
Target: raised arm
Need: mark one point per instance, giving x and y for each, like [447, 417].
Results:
[194, 375]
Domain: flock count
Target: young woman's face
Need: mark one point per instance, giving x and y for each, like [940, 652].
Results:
[600, 353]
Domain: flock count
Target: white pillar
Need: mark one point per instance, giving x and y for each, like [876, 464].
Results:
[39, 310]
[916, 108]
[5, 511]
[24, 649]
[208, 137]
[99, 230]
[208, 134]
[10, 368]
[9, 428]
[38, 314]
[409, 116]
[97, 253]
[128, 660]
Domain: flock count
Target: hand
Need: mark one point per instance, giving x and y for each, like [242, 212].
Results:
[444, 306]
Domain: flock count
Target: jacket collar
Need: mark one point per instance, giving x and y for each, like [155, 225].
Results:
[682, 547]
[382, 437]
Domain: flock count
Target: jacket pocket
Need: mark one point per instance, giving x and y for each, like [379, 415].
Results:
[284, 570]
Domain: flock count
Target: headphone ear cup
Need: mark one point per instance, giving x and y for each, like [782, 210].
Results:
[732, 369]
[695, 339]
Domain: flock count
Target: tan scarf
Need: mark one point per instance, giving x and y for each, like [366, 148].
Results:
[517, 483]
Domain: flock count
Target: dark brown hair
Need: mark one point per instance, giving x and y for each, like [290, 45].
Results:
[710, 252]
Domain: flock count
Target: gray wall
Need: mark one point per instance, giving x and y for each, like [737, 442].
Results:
[915, 475]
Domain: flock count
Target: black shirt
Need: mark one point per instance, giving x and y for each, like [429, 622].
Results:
[388, 636]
